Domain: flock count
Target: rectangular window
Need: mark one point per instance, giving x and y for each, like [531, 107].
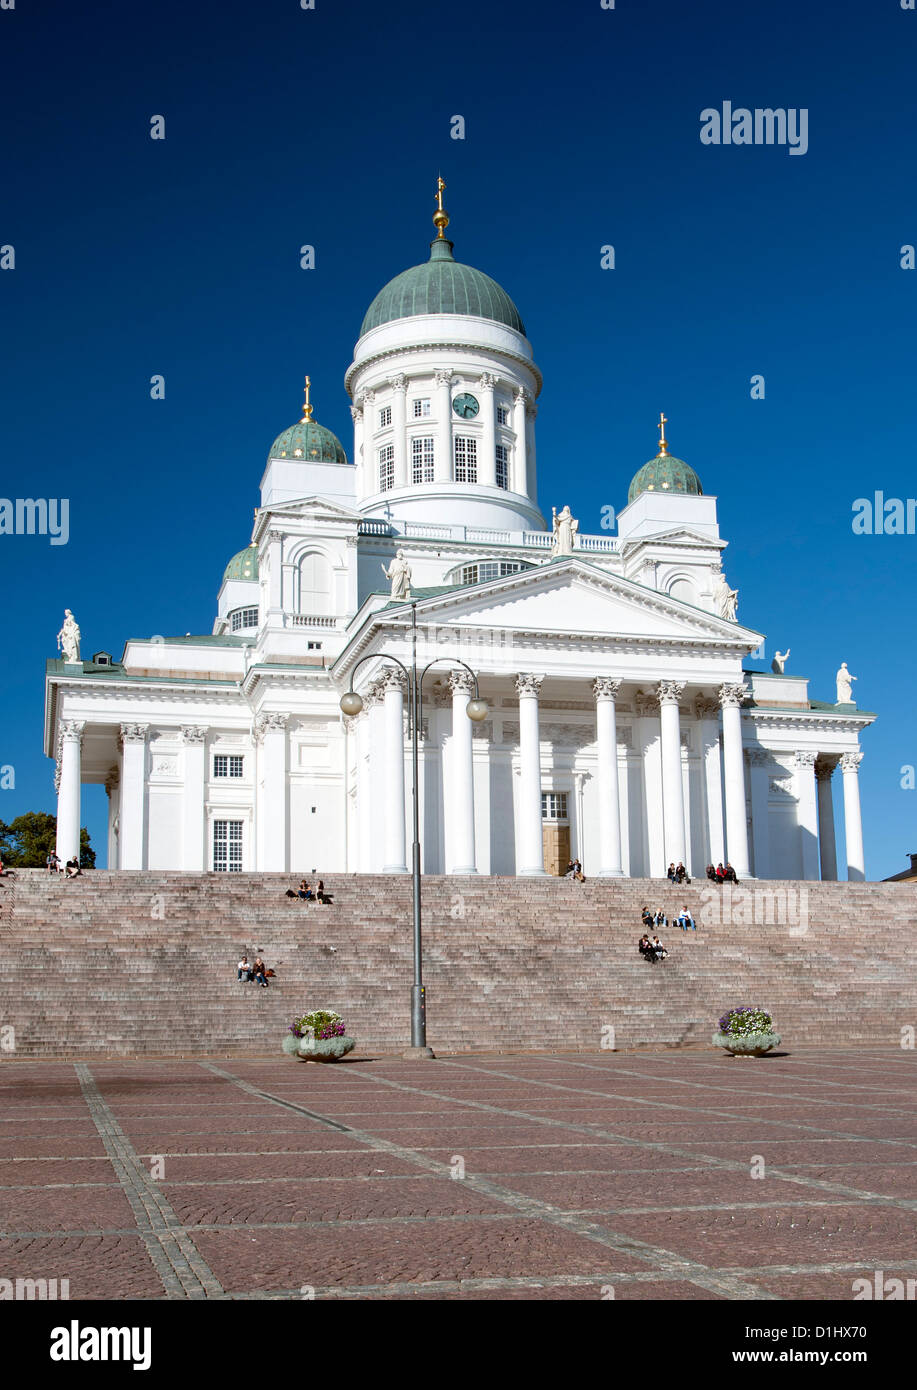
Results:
[502, 415]
[422, 459]
[554, 805]
[422, 409]
[502, 466]
[227, 846]
[385, 416]
[227, 765]
[387, 468]
[466, 459]
[313, 646]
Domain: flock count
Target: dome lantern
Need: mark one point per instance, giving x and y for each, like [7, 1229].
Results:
[665, 473]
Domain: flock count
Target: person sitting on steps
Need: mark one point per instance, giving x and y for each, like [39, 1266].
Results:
[681, 874]
[711, 873]
[671, 875]
[729, 874]
[646, 917]
[644, 946]
[244, 971]
[321, 895]
[685, 920]
[259, 976]
[658, 949]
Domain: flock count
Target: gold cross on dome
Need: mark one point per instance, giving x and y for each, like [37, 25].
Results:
[661, 428]
[440, 185]
[307, 408]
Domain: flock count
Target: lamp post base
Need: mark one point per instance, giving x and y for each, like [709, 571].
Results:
[419, 1054]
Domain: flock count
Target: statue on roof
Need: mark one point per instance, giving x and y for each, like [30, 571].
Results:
[68, 639]
[779, 662]
[565, 528]
[399, 572]
[726, 600]
[844, 687]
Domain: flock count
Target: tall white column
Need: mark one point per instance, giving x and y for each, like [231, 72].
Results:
[272, 729]
[578, 848]
[363, 860]
[461, 852]
[442, 458]
[395, 842]
[647, 732]
[760, 761]
[529, 839]
[356, 414]
[519, 481]
[133, 796]
[113, 791]
[194, 757]
[275, 576]
[807, 812]
[377, 791]
[399, 385]
[68, 793]
[605, 691]
[827, 841]
[731, 697]
[487, 459]
[707, 711]
[668, 694]
[531, 482]
[853, 825]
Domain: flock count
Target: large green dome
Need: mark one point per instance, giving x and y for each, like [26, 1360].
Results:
[244, 565]
[309, 441]
[442, 286]
[665, 473]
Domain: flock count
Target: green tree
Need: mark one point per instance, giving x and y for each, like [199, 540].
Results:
[28, 840]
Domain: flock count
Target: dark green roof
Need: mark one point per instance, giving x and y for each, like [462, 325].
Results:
[665, 473]
[244, 565]
[442, 286]
[308, 442]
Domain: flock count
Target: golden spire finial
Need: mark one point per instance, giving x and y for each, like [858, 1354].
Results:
[440, 218]
[663, 447]
[307, 407]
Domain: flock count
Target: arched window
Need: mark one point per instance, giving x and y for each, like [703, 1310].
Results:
[314, 584]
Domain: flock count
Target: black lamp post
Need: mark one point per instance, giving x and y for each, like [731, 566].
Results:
[352, 703]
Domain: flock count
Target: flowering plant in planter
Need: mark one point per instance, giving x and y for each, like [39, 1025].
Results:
[746, 1032]
[321, 1023]
[318, 1036]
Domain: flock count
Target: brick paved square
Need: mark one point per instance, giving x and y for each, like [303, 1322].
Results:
[512, 1178]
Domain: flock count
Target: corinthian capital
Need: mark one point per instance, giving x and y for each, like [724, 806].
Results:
[731, 696]
[356, 413]
[398, 382]
[461, 682]
[71, 730]
[392, 678]
[487, 381]
[805, 758]
[271, 722]
[444, 376]
[527, 684]
[193, 733]
[134, 733]
[605, 688]
[670, 692]
[850, 762]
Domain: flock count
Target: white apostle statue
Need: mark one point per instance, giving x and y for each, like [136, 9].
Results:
[779, 662]
[68, 639]
[844, 688]
[399, 572]
[565, 528]
[725, 599]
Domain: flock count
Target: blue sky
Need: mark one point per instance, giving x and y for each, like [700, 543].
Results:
[328, 127]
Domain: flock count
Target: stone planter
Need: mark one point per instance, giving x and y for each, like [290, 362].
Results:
[317, 1049]
[751, 1045]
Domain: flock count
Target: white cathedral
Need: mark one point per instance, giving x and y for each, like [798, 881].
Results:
[621, 727]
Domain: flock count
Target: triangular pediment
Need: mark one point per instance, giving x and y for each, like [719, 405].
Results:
[571, 597]
[313, 507]
[676, 536]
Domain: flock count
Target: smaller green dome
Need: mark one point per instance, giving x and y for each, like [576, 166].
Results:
[665, 473]
[309, 442]
[244, 565]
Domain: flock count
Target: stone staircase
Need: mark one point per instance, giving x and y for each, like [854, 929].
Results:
[144, 964]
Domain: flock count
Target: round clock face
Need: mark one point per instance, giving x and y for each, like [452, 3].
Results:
[466, 406]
